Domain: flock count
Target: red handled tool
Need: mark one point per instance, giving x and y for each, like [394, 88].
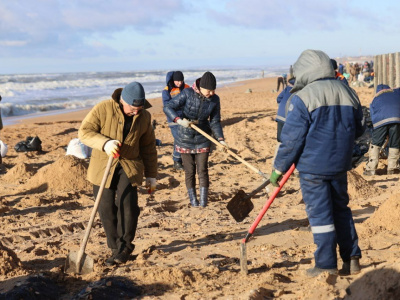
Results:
[243, 251]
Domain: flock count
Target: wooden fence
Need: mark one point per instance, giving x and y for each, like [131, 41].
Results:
[387, 69]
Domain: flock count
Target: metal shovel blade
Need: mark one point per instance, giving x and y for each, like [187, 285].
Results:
[86, 265]
[240, 206]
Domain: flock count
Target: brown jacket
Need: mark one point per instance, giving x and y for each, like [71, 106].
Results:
[138, 154]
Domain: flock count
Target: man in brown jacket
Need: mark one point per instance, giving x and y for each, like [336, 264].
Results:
[121, 126]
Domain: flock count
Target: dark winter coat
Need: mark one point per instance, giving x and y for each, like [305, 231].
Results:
[324, 118]
[385, 108]
[205, 112]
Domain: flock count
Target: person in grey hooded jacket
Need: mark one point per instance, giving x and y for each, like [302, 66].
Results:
[324, 118]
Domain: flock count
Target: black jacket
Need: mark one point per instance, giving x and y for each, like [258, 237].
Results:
[205, 112]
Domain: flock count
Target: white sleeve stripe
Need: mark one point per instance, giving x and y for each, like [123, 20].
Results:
[323, 229]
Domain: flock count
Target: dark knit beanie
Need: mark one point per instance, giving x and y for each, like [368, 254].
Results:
[178, 76]
[133, 94]
[208, 81]
[334, 64]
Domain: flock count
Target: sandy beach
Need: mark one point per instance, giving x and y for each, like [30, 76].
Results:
[183, 252]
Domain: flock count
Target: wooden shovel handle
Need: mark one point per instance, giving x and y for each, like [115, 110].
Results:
[230, 152]
[94, 211]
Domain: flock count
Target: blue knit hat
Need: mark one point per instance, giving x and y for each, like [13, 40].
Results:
[133, 94]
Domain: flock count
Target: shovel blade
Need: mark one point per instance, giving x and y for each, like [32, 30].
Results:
[243, 259]
[86, 265]
[240, 206]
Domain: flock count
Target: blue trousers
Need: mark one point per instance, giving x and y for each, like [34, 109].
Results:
[330, 218]
[176, 156]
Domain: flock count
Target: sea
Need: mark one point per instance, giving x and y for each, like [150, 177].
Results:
[33, 95]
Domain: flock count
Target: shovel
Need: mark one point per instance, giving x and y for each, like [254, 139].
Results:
[230, 152]
[243, 250]
[80, 262]
[240, 205]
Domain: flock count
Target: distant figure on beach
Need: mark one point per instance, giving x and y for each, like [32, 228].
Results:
[121, 127]
[385, 117]
[1, 127]
[281, 80]
[341, 68]
[338, 75]
[323, 120]
[175, 84]
[200, 106]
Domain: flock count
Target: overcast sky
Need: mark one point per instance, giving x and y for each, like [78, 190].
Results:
[125, 35]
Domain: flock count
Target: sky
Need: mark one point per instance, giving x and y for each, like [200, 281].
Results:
[43, 36]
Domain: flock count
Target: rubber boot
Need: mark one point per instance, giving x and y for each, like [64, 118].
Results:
[193, 197]
[203, 196]
[373, 160]
[393, 157]
[351, 267]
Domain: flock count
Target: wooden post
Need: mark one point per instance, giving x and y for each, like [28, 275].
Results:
[384, 69]
[391, 70]
[397, 59]
[377, 69]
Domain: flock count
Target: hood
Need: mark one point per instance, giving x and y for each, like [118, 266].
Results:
[116, 96]
[311, 66]
[381, 87]
[168, 78]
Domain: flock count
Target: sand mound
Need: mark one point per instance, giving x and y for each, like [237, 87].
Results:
[66, 174]
[20, 172]
[381, 283]
[358, 187]
[9, 262]
[387, 215]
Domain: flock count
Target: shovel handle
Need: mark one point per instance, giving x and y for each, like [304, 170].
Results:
[230, 152]
[268, 203]
[94, 211]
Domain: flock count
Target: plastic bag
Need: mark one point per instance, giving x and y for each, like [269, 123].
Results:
[30, 144]
[78, 149]
[3, 149]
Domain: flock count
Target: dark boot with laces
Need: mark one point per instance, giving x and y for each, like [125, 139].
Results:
[203, 196]
[193, 197]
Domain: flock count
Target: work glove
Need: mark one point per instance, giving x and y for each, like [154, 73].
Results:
[151, 184]
[223, 144]
[112, 148]
[183, 122]
[275, 177]
[223, 149]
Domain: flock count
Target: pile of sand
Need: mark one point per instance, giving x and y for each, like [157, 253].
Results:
[20, 172]
[66, 174]
[358, 187]
[10, 264]
[381, 283]
[387, 215]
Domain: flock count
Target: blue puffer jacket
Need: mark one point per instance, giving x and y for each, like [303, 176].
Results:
[385, 108]
[195, 107]
[324, 118]
[282, 99]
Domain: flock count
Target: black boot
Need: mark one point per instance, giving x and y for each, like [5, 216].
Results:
[351, 267]
[178, 165]
[203, 196]
[123, 256]
[110, 261]
[193, 197]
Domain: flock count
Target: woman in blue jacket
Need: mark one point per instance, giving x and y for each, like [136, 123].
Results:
[174, 85]
[201, 106]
